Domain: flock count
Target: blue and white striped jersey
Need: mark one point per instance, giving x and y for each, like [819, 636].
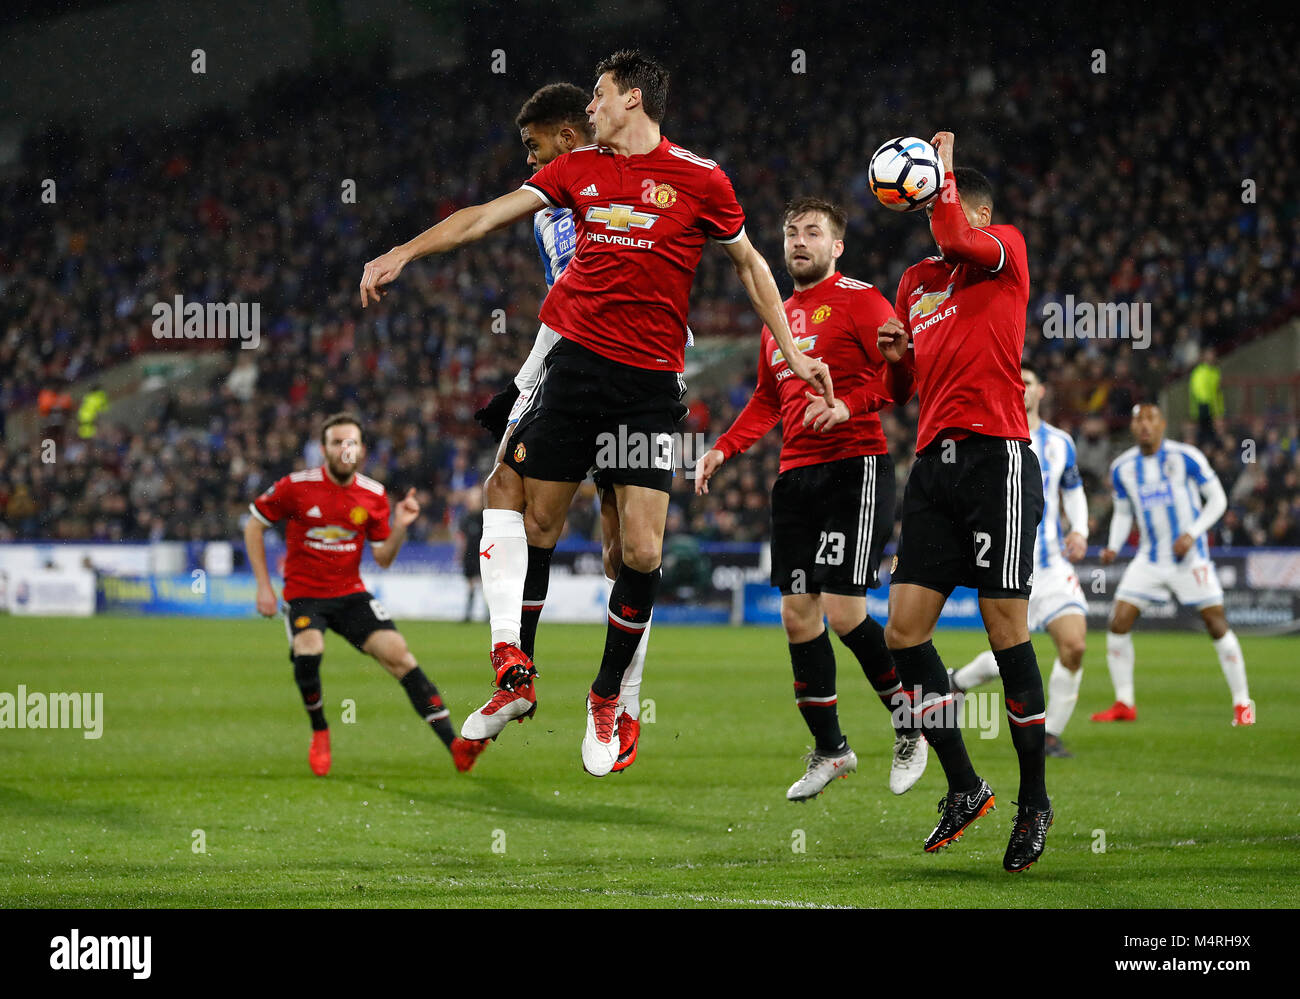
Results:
[1054, 449]
[1165, 490]
[556, 240]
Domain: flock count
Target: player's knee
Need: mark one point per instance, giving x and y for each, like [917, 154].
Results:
[843, 619]
[503, 490]
[643, 554]
[308, 643]
[802, 622]
[899, 637]
[1072, 650]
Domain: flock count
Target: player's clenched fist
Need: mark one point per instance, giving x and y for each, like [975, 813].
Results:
[705, 467]
[408, 509]
[266, 602]
[378, 272]
[891, 338]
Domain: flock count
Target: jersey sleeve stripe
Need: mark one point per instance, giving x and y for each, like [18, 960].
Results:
[525, 186]
[258, 514]
[1001, 246]
[730, 239]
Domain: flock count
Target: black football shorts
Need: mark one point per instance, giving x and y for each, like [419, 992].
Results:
[356, 617]
[970, 515]
[591, 413]
[830, 522]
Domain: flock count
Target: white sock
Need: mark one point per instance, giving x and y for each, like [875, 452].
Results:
[503, 563]
[1234, 666]
[1119, 657]
[981, 669]
[629, 694]
[1062, 696]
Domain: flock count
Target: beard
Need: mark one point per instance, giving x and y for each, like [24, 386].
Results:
[808, 269]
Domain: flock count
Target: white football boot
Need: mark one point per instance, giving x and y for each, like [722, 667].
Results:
[601, 743]
[911, 752]
[822, 769]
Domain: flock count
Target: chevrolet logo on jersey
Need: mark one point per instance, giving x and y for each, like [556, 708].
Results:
[331, 533]
[805, 344]
[621, 218]
[927, 303]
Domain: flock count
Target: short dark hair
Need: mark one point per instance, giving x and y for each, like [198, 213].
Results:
[838, 218]
[555, 104]
[973, 187]
[629, 68]
[1026, 366]
[339, 418]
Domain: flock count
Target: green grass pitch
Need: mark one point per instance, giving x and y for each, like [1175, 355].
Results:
[203, 731]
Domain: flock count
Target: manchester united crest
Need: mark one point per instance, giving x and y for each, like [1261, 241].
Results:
[664, 195]
[358, 515]
[521, 452]
[822, 314]
[301, 622]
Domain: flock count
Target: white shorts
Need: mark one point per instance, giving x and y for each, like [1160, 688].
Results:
[1194, 583]
[1055, 591]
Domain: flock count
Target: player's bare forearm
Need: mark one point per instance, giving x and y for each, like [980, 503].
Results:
[386, 551]
[457, 229]
[255, 546]
[765, 297]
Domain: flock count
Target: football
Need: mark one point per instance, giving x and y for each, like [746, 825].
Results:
[905, 174]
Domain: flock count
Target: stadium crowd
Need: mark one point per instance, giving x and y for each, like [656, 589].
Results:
[1163, 200]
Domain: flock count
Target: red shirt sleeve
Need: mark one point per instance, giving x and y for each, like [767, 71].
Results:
[871, 311]
[958, 239]
[377, 527]
[276, 503]
[552, 183]
[761, 413]
[721, 216]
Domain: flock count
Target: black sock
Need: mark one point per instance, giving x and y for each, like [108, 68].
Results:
[936, 716]
[630, 604]
[867, 643]
[536, 582]
[306, 673]
[814, 691]
[428, 704]
[1022, 687]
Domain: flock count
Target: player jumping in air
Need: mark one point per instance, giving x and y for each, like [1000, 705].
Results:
[833, 502]
[1163, 483]
[1055, 601]
[552, 122]
[974, 496]
[331, 511]
[643, 208]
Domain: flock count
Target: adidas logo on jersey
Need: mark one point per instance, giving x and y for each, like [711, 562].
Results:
[314, 512]
[588, 192]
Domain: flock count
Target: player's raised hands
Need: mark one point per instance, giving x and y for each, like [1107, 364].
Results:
[891, 338]
[942, 143]
[407, 509]
[380, 271]
[821, 416]
[266, 601]
[705, 467]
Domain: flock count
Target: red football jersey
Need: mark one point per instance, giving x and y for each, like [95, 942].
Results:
[328, 526]
[641, 224]
[835, 320]
[965, 312]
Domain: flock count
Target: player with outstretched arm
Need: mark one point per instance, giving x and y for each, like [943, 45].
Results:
[643, 208]
[329, 513]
